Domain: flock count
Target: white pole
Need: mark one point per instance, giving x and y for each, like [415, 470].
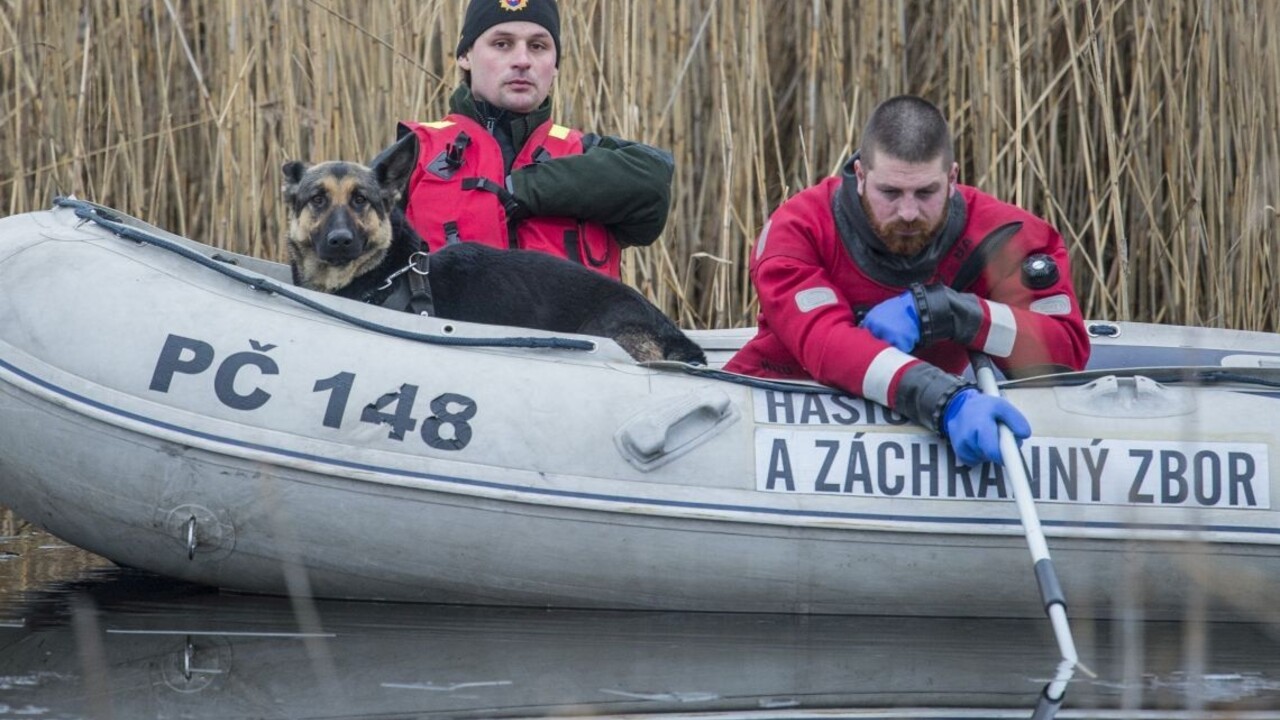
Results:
[1016, 473]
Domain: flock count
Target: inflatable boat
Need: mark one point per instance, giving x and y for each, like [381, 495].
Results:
[187, 411]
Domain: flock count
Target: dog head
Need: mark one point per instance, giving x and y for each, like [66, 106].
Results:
[340, 214]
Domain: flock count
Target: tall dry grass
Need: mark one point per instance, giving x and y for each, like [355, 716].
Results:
[1146, 130]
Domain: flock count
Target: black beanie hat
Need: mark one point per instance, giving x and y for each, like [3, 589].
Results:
[484, 14]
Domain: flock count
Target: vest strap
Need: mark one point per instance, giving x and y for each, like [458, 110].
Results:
[572, 246]
[514, 210]
[592, 260]
[484, 183]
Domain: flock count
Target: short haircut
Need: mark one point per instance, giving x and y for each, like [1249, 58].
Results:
[908, 128]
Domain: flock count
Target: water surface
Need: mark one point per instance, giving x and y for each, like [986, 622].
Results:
[80, 638]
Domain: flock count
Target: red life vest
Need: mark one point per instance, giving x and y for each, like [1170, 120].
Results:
[444, 208]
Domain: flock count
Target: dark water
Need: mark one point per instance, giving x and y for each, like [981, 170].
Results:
[81, 639]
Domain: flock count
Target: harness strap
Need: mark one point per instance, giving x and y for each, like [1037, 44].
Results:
[420, 300]
[412, 293]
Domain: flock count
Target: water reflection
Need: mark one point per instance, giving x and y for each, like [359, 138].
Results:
[127, 645]
[30, 558]
[80, 638]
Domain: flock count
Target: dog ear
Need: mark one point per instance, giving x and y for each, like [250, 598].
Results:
[394, 165]
[293, 172]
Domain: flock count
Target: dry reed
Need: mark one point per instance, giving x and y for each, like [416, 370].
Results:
[1145, 130]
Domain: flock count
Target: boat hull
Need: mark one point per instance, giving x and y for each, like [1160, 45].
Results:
[188, 425]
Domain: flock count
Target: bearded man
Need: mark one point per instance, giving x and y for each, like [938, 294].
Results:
[881, 280]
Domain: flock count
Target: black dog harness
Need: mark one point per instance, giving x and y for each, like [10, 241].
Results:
[410, 287]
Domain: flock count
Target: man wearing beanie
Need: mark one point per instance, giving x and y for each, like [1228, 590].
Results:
[498, 171]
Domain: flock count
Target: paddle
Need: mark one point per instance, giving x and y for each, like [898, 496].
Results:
[1055, 604]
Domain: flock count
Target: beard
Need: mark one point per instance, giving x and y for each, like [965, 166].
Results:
[903, 238]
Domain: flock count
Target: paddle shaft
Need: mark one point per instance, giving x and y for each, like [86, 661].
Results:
[1016, 473]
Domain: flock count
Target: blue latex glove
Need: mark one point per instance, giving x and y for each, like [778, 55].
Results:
[895, 322]
[970, 421]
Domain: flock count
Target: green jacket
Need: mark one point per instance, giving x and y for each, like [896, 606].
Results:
[623, 185]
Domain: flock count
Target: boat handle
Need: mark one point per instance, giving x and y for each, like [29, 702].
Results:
[659, 435]
[191, 538]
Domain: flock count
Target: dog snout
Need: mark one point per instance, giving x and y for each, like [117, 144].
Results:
[340, 243]
[340, 240]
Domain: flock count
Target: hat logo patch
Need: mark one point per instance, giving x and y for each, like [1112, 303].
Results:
[513, 5]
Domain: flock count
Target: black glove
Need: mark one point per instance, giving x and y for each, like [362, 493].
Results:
[946, 314]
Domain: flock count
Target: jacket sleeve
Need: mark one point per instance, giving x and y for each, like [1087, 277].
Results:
[815, 324]
[1050, 327]
[625, 186]
[1022, 311]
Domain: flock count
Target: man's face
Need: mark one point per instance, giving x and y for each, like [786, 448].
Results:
[512, 66]
[906, 202]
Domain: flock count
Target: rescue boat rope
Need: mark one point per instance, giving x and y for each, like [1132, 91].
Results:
[794, 386]
[112, 221]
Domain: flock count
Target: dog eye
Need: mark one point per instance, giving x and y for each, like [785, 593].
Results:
[359, 200]
[319, 201]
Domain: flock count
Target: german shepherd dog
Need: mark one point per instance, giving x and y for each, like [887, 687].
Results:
[348, 235]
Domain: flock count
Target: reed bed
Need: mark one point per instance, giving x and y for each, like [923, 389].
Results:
[1145, 130]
